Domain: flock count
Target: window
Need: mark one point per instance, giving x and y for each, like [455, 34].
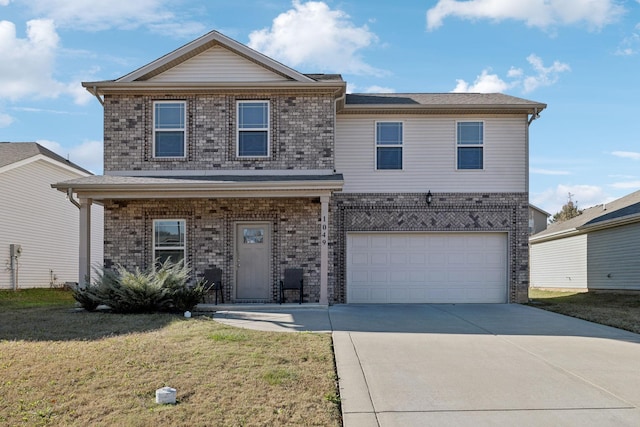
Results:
[169, 240]
[253, 128]
[169, 128]
[388, 145]
[470, 141]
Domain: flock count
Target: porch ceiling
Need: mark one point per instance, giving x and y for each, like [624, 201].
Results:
[212, 186]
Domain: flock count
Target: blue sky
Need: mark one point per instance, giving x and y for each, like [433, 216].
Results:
[581, 57]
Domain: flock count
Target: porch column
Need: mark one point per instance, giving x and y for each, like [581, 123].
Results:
[324, 250]
[84, 262]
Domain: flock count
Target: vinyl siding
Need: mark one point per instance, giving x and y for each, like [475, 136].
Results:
[559, 263]
[217, 64]
[614, 252]
[44, 223]
[429, 152]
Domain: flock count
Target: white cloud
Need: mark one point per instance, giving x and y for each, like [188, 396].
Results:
[484, 83]
[4, 2]
[552, 199]
[630, 45]
[27, 64]
[88, 154]
[379, 89]
[548, 172]
[626, 184]
[627, 154]
[123, 14]
[491, 83]
[535, 13]
[313, 35]
[546, 76]
[5, 120]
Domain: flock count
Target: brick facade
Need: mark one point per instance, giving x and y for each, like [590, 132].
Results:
[498, 212]
[210, 235]
[301, 133]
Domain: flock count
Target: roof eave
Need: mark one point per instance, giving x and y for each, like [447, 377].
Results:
[557, 235]
[113, 87]
[444, 108]
[300, 188]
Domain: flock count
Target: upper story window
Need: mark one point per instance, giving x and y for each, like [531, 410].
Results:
[388, 145]
[470, 145]
[169, 130]
[253, 129]
[169, 240]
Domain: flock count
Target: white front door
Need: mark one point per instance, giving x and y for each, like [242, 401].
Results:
[253, 261]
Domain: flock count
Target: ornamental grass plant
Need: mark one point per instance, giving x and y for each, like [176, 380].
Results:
[162, 288]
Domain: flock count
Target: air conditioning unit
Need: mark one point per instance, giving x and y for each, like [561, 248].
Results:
[15, 250]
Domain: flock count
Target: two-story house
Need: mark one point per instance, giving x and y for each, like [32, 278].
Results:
[223, 157]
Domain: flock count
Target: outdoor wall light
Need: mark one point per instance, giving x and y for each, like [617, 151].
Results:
[429, 197]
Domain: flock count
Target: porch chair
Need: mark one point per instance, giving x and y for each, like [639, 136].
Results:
[292, 281]
[213, 278]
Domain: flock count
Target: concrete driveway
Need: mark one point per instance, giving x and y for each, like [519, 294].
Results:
[476, 365]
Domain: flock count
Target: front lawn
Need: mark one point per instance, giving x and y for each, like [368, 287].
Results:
[614, 309]
[60, 366]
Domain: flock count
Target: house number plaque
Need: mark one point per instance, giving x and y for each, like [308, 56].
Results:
[324, 230]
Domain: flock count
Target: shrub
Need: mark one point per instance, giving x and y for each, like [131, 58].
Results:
[163, 288]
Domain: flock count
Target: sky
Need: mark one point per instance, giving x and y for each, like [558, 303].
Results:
[580, 57]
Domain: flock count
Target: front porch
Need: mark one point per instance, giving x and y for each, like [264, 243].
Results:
[215, 216]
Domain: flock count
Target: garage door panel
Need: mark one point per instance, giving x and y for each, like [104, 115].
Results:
[379, 259]
[398, 258]
[427, 268]
[380, 242]
[360, 259]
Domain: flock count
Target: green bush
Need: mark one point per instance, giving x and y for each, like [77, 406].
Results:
[164, 288]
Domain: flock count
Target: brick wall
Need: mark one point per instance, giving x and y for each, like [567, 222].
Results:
[501, 212]
[210, 235]
[301, 133]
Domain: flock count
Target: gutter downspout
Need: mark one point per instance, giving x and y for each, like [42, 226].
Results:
[343, 97]
[95, 93]
[534, 116]
[71, 199]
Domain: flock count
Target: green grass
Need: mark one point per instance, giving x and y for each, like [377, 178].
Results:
[620, 310]
[63, 366]
[28, 298]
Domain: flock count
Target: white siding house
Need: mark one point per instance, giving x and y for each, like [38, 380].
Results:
[597, 250]
[537, 219]
[39, 219]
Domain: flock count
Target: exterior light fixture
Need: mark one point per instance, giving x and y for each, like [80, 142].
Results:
[429, 197]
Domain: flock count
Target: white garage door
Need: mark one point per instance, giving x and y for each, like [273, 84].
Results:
[427, 268]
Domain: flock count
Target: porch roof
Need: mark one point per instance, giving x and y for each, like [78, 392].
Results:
[101, 187]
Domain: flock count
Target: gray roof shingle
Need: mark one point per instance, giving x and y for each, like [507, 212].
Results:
[12, 152]
[440, 99]
[626, 206]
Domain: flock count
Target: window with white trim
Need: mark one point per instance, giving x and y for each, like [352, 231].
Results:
[253, 129]
[388, 145]
[470, 145]
[169, 240]
[169, 131]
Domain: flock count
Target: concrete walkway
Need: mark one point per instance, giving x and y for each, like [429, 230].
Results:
[470, 365]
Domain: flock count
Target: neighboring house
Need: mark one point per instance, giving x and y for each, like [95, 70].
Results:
[537, 219]
[38, 226]
[219, 155]
[598, 249]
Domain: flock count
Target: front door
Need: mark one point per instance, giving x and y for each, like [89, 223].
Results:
[253, 261]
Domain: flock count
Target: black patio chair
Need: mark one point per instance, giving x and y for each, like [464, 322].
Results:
[292, 282]
[213, 278]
